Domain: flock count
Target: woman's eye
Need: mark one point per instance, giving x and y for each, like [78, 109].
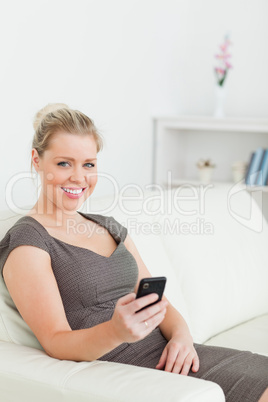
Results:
[64, 164]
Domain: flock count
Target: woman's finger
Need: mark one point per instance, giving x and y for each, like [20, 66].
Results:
[132, 326]
[144, 301]
[178, 363]
[154, 321]
[149, 312]
[162, 360]
[187, 365]
[126, 299]
[149, 325]
[196, 364]
[171, 359]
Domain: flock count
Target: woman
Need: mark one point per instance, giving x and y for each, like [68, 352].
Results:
[74, 276]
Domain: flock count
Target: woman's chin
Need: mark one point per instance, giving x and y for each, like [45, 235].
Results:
[72, 205]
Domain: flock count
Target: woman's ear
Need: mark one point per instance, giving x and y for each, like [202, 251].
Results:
[35, 159]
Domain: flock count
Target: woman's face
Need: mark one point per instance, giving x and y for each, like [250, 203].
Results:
[68, 171]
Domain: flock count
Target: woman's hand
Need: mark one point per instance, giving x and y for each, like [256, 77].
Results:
[129, 325]
[179, 355]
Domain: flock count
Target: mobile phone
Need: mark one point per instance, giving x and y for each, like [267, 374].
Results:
[151, 285]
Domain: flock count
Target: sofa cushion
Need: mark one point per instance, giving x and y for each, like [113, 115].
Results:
[251, 335]
[12, 326]
[220, 260]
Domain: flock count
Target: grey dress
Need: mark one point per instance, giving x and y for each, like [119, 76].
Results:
[90, 285]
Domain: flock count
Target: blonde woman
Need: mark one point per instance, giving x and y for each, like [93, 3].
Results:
[76, 288]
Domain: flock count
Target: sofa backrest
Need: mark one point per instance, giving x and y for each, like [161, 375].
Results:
[220, 257]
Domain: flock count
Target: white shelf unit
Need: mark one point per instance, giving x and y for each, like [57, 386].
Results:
[180, 141]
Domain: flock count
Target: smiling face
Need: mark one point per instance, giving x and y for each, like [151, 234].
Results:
[68, 171]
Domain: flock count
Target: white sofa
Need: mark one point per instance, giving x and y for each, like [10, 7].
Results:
[211, 243]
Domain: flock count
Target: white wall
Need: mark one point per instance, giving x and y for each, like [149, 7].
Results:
[121, 62]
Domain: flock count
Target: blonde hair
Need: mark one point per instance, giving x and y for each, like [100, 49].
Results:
[57, 117]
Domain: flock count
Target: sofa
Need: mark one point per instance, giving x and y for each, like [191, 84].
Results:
[210, 241]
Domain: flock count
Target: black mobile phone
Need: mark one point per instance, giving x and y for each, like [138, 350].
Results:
[152, 285]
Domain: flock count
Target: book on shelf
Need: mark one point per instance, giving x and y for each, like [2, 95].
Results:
[248, 168]
[257, 169]
[263, 171]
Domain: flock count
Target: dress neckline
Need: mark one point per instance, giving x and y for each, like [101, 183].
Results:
[78, 247]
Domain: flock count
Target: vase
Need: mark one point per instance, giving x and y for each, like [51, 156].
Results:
[205, 174]
[239, 169]
[219, 101]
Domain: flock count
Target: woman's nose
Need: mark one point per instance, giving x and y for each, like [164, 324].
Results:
[77, 176]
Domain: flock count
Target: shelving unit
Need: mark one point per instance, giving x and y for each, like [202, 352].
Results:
[180, 141]
[263, 201]
[251, 189]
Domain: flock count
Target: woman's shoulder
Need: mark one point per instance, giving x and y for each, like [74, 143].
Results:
[27, 226]
[26, 231]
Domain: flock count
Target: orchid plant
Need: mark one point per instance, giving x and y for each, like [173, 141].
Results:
[223, 57]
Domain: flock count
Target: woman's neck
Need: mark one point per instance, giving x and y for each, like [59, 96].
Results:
[50, 215]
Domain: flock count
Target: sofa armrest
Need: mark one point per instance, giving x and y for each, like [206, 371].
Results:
[28, 374]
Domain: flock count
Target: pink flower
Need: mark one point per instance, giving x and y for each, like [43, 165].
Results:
[228, 65]
[219, 70]
[223, 62]
[222, 56]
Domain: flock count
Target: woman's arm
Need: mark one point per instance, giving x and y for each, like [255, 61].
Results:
[179, 354]
[33, 288]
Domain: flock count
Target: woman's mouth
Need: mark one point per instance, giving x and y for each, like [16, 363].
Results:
[73, 192]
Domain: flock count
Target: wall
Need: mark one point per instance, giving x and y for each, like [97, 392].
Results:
[122, 62]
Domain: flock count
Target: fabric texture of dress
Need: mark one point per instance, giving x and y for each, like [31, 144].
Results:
[90, 285]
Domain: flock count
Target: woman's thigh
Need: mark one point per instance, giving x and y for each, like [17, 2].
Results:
[243, 376]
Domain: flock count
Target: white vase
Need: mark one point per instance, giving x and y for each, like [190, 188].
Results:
[220, 95]
[205, 174]
[239, 169]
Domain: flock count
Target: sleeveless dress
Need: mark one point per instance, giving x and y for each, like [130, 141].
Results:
[90, 285]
